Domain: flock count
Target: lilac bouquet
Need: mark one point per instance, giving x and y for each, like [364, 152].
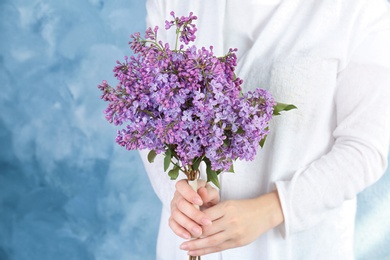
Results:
[187, 103]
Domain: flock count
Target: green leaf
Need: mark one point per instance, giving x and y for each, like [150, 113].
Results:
[240, 130]
[167, 159]
[211, 174]
[279, 107]
[151, 156]
[262, 141]
[231, 169]
[174, 172]
[196, 162]
[226, 142]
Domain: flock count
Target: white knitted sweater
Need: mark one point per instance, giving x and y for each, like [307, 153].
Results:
[332, 60]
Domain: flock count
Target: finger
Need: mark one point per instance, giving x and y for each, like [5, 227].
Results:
[209, 195]
[204, 196]
[218, 226]
[215, 212]
[203, 243]
[214, 193]
[188, 193]
[204, 251]
[193, 213]
[179, 230]
[185, 222]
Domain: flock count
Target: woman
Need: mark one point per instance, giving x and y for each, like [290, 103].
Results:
[297, 199]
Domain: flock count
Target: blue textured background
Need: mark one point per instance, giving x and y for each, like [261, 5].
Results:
[66, 190]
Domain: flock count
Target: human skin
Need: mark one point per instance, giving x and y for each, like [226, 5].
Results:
[220, 225]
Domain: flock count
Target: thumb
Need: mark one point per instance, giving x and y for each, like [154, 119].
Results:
[209, 195]
[185, 190]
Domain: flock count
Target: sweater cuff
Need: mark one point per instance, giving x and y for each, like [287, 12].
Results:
[299, 202]
[285, 226]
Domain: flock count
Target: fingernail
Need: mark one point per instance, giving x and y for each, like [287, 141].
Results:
[206, 222]
[184, 247]
[198, 201]
[196, 230]
[186, 236]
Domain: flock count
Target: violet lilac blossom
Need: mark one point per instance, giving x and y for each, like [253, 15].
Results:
[186, 102]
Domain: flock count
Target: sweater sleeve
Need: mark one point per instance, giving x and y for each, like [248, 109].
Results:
[358, 157]
[162, 185]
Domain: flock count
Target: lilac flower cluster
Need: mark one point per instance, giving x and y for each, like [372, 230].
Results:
[186, 100]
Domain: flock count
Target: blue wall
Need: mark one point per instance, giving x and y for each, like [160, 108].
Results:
[67, 191]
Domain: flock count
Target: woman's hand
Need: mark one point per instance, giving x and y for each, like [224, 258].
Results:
[236, 223]
[187, 221]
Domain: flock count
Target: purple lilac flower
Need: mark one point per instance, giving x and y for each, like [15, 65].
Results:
[186, 99]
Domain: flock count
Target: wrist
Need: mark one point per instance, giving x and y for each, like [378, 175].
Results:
[277, 216]
[270, 203]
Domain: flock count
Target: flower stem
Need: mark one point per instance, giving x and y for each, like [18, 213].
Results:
[177, 37]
